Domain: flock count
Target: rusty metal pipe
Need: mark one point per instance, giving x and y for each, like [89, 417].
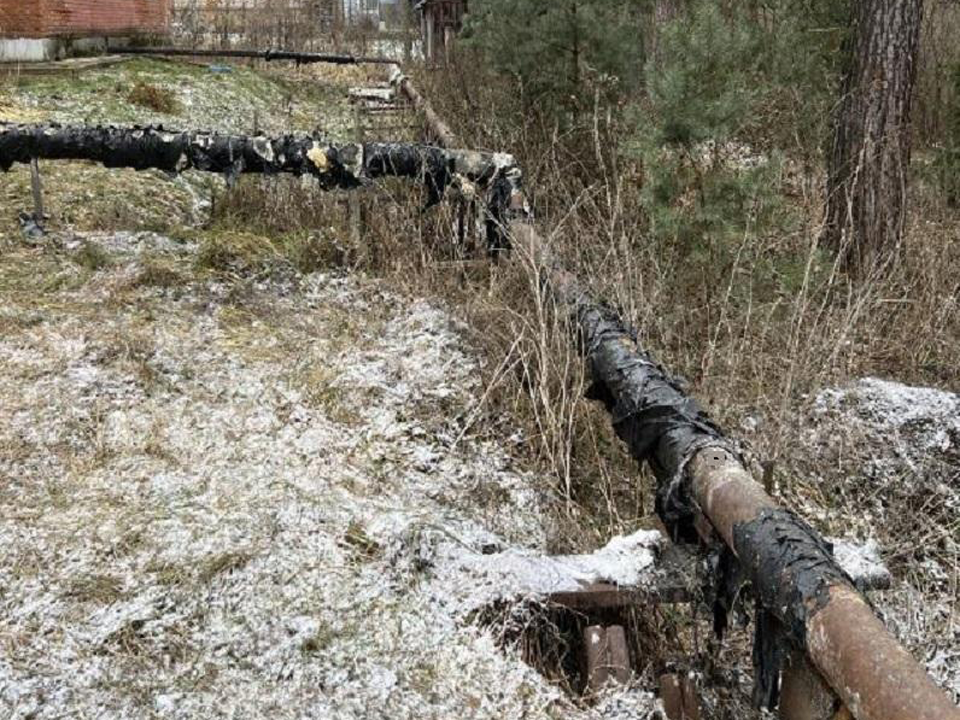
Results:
[873, 674]
[441, 131]
[790, 567]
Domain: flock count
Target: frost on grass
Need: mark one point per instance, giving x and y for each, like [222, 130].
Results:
[886, 461]
[909, 428]
[84, 196]
[862, 562]
[251, 498]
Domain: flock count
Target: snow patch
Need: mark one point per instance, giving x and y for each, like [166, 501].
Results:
[269, 512]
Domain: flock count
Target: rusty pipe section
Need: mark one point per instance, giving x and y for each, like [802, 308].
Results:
[873, 674]
[445, 137]
[795, 576]
[812, 603]
[302, 58]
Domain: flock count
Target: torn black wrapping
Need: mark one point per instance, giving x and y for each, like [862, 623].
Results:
[433, 164]
[335, 166]
[768, 653]
[506, 202]
[651, 414]
[792, 569]
[791, 566]
[139, 148]
[724, 587]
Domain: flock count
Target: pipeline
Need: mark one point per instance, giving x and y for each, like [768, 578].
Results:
[805, 599]
[445, 137]
[301, 58]
[343, 166]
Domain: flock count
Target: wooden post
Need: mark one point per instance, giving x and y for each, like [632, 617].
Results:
[607, 656]
[679, 697]
[407, 19]
[355, 205]
[37, 188]
[428, 38]
[448, 37]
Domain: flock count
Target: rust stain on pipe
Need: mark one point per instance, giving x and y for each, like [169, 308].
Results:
[875, 677]
[873, 674]
[727, 493]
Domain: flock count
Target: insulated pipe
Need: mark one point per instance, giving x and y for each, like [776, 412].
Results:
[345, 166]
[873, 674]
[791, 568]
[299, 57]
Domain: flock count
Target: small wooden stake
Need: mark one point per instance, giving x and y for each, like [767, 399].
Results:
[356, 207]
[606, 655]
[38, 213]
[679, 696]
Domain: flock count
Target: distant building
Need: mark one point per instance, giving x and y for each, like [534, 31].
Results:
[36, 30]
[440, 22]
[361, 10]
[276, 21]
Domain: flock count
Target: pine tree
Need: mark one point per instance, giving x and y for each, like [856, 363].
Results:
[869, 162]
[551, 46]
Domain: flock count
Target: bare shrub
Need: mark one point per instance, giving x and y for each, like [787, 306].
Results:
[153, 97]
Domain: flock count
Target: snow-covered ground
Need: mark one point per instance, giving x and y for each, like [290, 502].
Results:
[884, 461]
[251, 498]
[247, 497]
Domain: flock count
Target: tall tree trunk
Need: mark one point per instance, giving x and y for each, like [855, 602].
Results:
[664, 11]
[870, 158]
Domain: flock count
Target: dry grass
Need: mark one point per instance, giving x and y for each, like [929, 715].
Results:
[153, 97]
[755, 326]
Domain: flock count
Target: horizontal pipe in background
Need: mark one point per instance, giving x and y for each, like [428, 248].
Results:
[304, 58]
